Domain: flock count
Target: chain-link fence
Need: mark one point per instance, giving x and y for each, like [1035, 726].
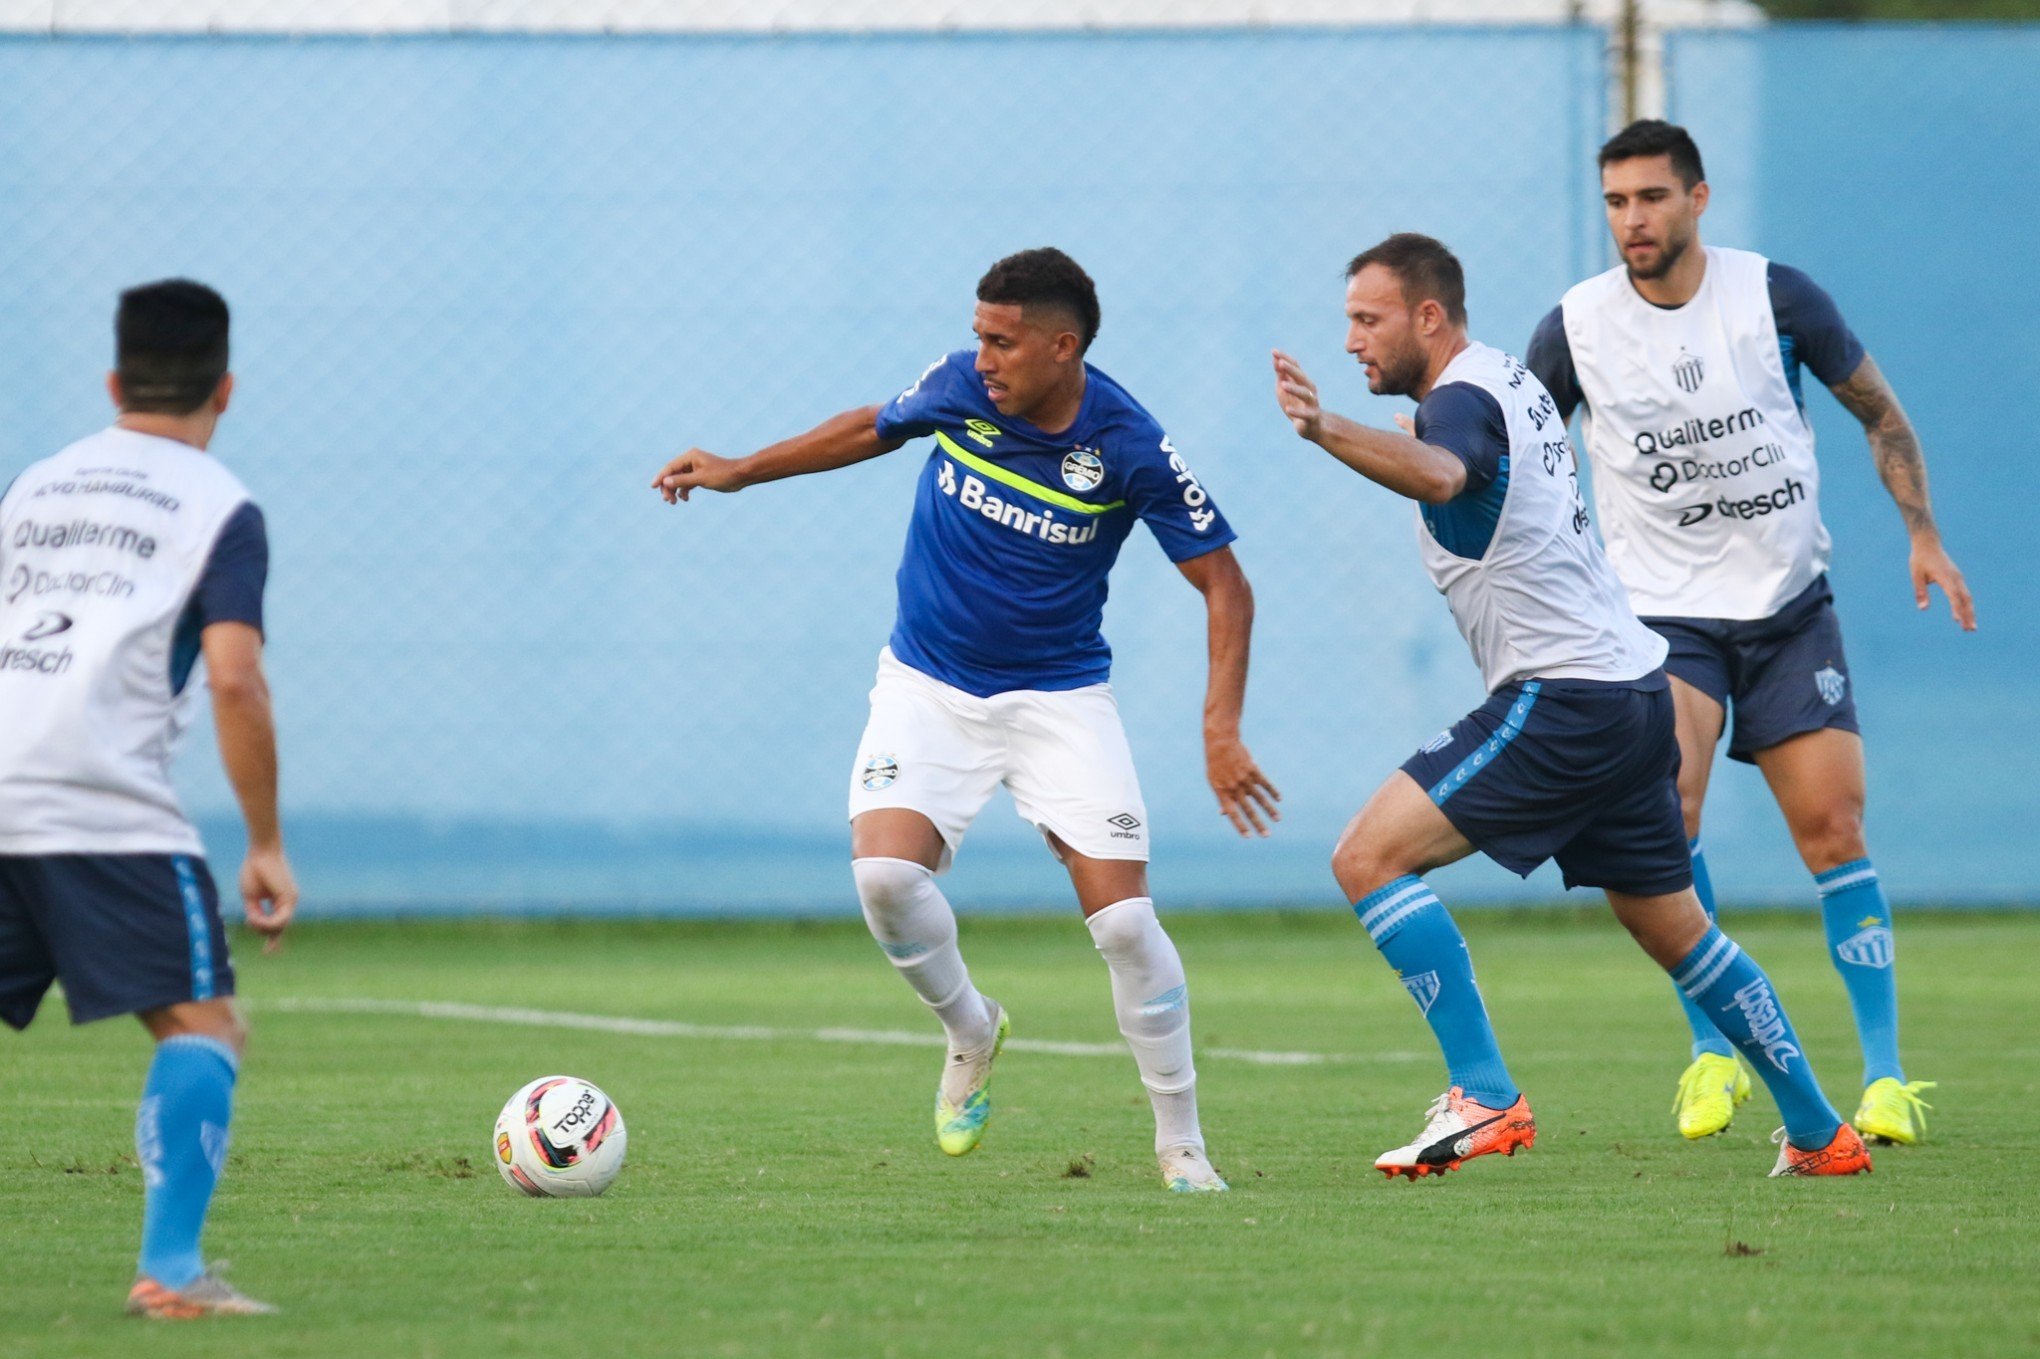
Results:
[485, 285]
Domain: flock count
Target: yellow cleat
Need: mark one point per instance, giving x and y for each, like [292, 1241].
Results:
[1708, 1095]
[1892, 1111]
[960, 1123]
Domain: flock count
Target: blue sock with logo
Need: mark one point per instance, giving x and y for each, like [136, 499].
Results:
[1415, 933]
[1728, 985]
[1858, 921]
[1706, 1038]
[181, 1139]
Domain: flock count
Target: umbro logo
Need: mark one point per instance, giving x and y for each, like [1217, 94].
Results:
[1123, 821]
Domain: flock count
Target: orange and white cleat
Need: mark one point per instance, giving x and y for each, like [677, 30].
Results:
[1845, 1155]
[1457, 1131]
[206, 1296]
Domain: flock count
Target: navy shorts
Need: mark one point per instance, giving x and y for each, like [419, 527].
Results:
[1781, 676]
[123, 932]
[1581, 771]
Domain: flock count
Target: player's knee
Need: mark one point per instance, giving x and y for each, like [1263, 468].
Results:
[1122, 929]
[889, 887]
[1361, 868]
[1832, 837]
[219, 1020]
[1689, 807]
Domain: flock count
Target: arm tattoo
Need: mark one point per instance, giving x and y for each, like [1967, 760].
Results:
[1893, 444]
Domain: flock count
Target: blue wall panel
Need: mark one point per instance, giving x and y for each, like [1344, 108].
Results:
[483, 287]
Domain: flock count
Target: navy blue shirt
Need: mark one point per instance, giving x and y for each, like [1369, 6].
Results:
[1467, 421]
[1003, 582]
[1811, 334]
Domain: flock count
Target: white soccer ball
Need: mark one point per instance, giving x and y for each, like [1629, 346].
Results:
[559, 1137]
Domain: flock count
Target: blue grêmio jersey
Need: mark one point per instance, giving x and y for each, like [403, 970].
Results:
[1014, 531]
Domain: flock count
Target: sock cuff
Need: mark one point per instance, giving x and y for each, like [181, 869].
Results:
[1387, 909]
[199, 1042]
[1701, 968]
[1096, 920]
[878, 859]
[1693, 847]
[1842, 877]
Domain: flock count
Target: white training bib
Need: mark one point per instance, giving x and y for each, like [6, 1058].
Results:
[1541, 602]
[1705, 484]
[101, 548]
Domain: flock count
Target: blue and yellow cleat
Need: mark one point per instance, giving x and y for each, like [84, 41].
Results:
[960, 1123]
[1186, 1171]
[1892, 1111]
[1709, 1092]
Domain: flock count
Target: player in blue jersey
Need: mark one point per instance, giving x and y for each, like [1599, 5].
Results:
[1687, 361]
[996, 672]
[1573, 755]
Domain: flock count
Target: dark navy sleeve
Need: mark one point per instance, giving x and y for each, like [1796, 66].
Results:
[1550, 359]
[933, 401]
[1466, 420]
[1811, 328]
[1172, 502]
[230, 590]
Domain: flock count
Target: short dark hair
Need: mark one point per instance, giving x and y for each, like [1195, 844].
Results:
[1045, 278]
[170, 346]
[1427, 271]
[1656, 137]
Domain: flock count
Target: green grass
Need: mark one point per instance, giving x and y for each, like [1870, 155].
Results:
[786, 1198]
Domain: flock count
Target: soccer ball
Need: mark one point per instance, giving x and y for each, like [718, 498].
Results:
[559, 1137]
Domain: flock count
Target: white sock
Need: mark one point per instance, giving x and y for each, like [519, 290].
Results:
[1153, 1005]
[912, 922]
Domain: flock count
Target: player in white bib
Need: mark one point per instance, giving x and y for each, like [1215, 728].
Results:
[996, 673]
[131, 567]
[1687, 361]
[1572, 757]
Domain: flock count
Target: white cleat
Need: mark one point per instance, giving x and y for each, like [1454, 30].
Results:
[1186, 1171]
[963, 1102]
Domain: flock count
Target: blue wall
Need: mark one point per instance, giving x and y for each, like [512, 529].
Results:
[484, 287]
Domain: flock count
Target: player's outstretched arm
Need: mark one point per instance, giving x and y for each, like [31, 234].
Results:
[1903, 468]
[247, 735]
[1244, 793]
[839, 441]
[1404, 464]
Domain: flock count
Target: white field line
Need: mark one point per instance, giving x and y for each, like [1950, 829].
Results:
[750, 1033]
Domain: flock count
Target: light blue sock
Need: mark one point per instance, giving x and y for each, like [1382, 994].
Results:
[1858, 920]
[1727, 983]
[181, 1139]
[1413, 931]
[1706, 1038]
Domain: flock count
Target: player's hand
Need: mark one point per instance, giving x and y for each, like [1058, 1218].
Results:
[1931, 565]
[1244, 793]
[269, 894]
[700, 469]
[1407, 423]
[1297, 395]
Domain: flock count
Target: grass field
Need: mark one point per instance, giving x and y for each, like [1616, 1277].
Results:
[784, 1196]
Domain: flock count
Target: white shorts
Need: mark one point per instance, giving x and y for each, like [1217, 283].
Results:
[934, 749]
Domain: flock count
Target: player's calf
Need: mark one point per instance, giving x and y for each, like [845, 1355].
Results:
[1151, 999]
